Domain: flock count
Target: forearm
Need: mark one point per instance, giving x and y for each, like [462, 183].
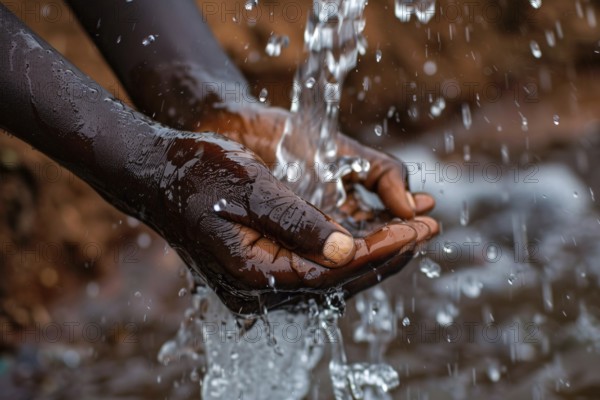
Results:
[178, 77]
[49, 103]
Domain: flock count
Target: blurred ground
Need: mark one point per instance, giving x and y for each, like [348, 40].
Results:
[68, 256]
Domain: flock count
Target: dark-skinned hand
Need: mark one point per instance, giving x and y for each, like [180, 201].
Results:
[259, 244]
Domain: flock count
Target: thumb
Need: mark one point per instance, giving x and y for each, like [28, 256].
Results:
[278, 213]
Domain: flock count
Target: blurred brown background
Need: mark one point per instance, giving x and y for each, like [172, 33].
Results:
[57, 235]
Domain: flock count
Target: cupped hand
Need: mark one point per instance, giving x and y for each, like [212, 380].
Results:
[254, 241]
[260, 128]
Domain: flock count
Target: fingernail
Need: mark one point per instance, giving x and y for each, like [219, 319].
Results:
[411, 201]
[339, 248]
[422, 229]
[433, 225]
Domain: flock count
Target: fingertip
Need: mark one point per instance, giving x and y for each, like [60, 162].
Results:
[422, 228]
[386, 241]
[402, 233]
[395, 197]
[432, 224]
[423, 203]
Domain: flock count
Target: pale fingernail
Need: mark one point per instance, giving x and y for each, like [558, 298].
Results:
[339, 248]
[411, 201]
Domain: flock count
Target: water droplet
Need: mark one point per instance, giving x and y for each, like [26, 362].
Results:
[378, 55]
[464, 214]
[250, 4]
[262, 96]
[149, 39]
[447, 248]
[158, 379]
[535, 49]
[391, 112]
[524, 124]
[438, 106]
[471, 287]
[118, 39]
[430, 67]
[492, 252]
[505, 154]
[182, 292]
[550, 38]
[137, 294]
[220, 205]
[556, 120]
[466, 116]
[443, 317]
[575, 195]
[449, 142]
[310, 82]
[511, 279]
[271, 281]
[535, 3]
[405, 321]
[275, 44]
[378, 130]
[430, 268]
[467, 152]
[493, 371]
[195, 376]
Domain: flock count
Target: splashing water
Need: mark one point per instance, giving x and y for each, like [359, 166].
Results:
[272, 356]
[333, 41]
[269, 357]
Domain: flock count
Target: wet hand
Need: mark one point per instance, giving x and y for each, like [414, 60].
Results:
[254, 241]
[260, 129]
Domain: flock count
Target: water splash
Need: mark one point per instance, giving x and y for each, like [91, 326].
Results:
[272, 356]
[535, 49]
[333, 40]
[149, 40]
[275, 44]
[535, 3]
[267, 357]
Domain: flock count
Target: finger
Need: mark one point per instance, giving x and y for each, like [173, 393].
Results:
[425, 228]
[424, 203]
[379, 245]
[432, 224]
[371, 251]
[394, 194]
[374, 276]
[275, 211]
[386, 177]
[386, 241]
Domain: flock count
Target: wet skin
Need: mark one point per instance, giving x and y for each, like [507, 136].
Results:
[262, 236]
